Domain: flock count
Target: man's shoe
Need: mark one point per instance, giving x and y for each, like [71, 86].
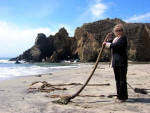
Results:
[119, 101]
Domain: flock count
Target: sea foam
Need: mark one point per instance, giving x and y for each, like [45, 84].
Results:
[8, 69]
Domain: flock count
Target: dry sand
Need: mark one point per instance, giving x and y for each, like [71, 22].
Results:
[14, 96]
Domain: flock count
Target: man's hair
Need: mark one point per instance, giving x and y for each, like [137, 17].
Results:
[119, 26]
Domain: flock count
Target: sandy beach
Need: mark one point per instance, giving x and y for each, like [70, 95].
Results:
[16, 98]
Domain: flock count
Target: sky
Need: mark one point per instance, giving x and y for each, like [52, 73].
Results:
[22, 20]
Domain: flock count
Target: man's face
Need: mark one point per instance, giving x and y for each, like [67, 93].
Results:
[118, 31]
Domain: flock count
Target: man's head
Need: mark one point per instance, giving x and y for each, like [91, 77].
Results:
[118, 30]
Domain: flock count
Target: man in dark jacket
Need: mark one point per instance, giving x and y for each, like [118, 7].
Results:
[119, 61]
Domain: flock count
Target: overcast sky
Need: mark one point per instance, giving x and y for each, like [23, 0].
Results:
[21, 20]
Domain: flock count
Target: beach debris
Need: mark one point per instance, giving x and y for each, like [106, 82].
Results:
[63, 100]
[39, 86]
[111, 96]
[38, 75]
[86, 106]
[43, 86]
[138, 90]
[107, 84]
[66, 99]
[142, 91]
[2, 90]
[59, 96]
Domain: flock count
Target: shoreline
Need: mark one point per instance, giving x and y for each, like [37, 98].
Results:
[15, 97]
[50, 69]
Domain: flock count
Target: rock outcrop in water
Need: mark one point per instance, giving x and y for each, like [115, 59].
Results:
[87, 41]
[51, 49]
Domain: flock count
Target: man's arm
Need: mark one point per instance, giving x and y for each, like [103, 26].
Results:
[119, 44]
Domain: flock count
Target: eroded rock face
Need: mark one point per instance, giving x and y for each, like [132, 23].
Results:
[63, 47]
[138, 41]
[90, 37]
[87, 42]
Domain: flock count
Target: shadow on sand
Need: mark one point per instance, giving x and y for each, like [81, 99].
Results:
[130, 100]
[138, 100]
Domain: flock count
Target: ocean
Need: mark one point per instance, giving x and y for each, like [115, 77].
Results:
[8, 69]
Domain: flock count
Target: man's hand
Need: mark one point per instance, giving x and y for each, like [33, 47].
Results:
[109, 36]
[104, 43]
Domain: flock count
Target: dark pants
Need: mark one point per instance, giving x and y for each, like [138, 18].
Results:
[121, 85]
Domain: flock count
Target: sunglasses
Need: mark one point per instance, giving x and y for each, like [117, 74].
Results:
[120, 30]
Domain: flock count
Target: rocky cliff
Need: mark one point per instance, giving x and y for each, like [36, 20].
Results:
[87, 41]
[90, 37]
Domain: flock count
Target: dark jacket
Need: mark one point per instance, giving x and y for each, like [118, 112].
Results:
[119, 52]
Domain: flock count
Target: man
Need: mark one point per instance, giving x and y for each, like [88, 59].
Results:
[119, 61]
